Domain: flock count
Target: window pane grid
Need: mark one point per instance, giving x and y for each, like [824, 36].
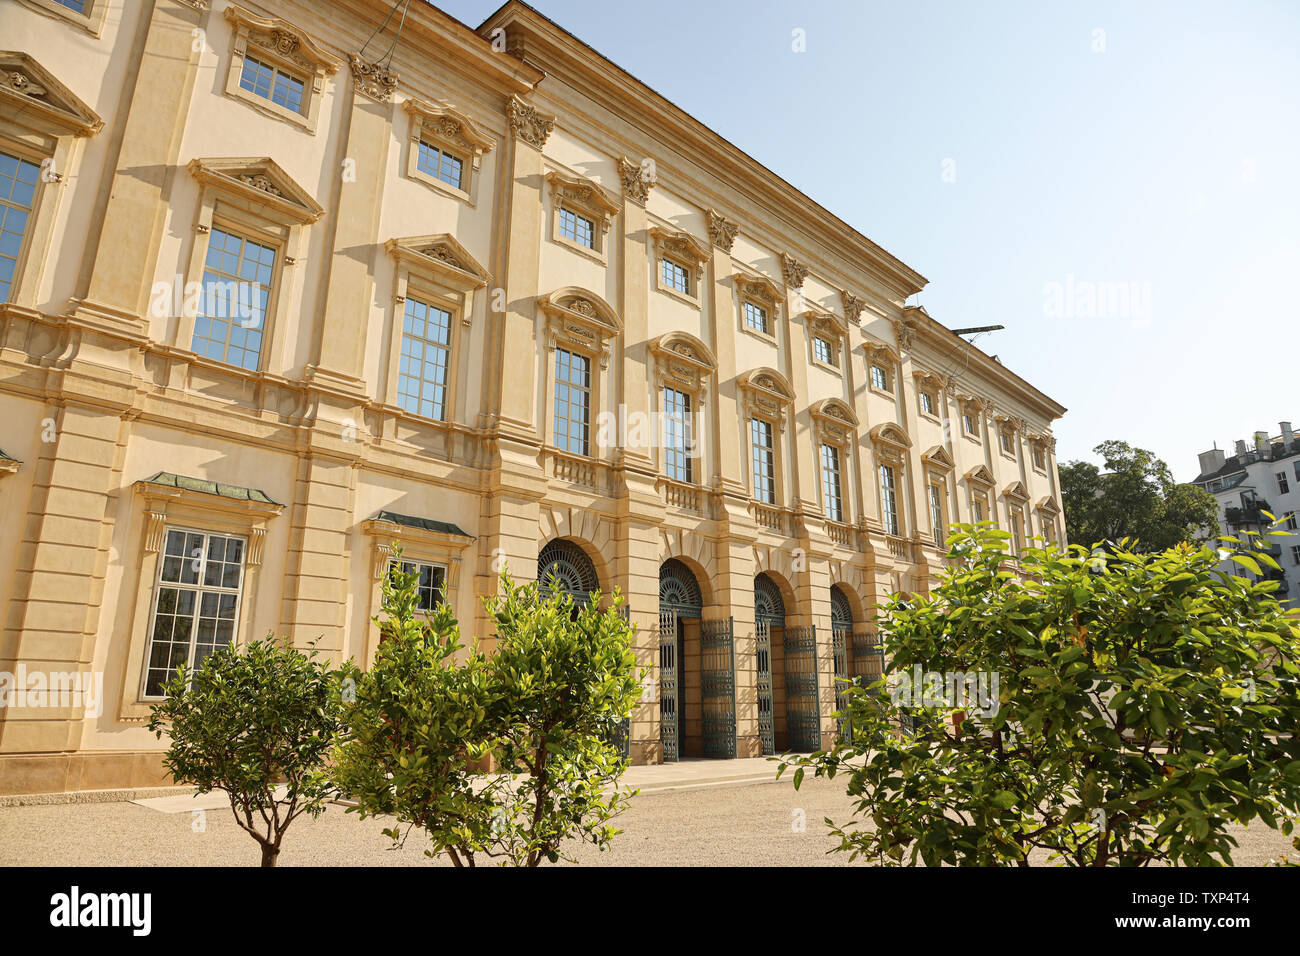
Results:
[262, 79]
[760, 438]
[677, 435]
[572, 402]
[888, 500]
[429, 587]
[422, 371]
[756, 317]
[675, 276]
[831, 482]
[18, 180]
[440, 164]
[822, 349]
[236, 290]
[577, 228]
[197, 606]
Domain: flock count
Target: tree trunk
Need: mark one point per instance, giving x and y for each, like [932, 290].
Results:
[269, 854]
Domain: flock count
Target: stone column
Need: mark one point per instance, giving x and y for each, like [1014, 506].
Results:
[802, 495]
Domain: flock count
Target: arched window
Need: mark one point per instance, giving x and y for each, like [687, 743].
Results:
[570, 564]
[679, 590]
[841, 610]
[768, 605]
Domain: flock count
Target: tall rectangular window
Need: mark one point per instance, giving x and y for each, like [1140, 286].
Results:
[760, 440]
[756, 317]
[572, 402]
[978, 509]
[675, 276]
[968, 423]
[18, 180]
[271, 83]
[1008, 440]
[237, 278]
[1040, 459]
[577, 228]
[888, 500]
[422, 374]
[429, 588]
[927, 403]
[196, 608]
[1295, 554]
[879, 378]
[441, 164]
[677, 435]
[1017, 529]
[936, 515]
[1282, 486]
[831, 483]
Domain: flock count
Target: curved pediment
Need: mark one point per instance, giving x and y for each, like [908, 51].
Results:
[682, 346]
[586, 193]
[443, 255]
[681, 245]
[820, 320]
[584, 306]
[879, 351]
[768, 382]
[758, 287]
[890, 434]
[284, 38]
[834, 410]
[262, 181]
[33, 97]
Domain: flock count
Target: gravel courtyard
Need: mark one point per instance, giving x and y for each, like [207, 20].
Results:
[742, 823]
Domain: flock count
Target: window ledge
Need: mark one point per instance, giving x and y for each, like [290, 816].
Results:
[447, 189]
[767, 337]
[690, 300]
[596, 255]
[273, 110]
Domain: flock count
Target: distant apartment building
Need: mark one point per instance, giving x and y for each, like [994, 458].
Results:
[1261, 478]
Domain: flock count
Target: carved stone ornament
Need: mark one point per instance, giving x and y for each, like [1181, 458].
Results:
[905, 330]
[22, 83]
[532, 127]
[853, 306]
[372, 80]
[722, 232]
[636, 184]
[793, 271]
[262, 182]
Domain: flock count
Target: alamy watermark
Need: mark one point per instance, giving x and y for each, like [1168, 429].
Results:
[975, 692]
[55, 689]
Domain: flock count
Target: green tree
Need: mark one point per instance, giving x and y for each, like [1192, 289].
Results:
[248, 721]
[1143, 703]
[505, 757]
[1134, 497]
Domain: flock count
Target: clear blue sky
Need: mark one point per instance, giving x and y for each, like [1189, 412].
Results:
[1167, 163]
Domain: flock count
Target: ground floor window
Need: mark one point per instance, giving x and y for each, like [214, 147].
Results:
[196, 606]
[431, 588]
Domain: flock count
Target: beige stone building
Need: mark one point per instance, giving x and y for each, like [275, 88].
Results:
[281, 287]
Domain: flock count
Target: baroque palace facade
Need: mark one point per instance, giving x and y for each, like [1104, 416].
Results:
[282, 288]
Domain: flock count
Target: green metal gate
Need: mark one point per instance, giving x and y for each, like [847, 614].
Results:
[802, 715]
[868, 659]
[718, 687]
[668, 710]
[769, 612]
[841, 632]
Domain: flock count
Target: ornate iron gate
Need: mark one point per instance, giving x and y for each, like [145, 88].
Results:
[841, 631]
[868, 659]
[718, 688]
[668, 684]
[769, 612]
[802, 715]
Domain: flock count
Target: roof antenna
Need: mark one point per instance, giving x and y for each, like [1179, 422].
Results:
[386, 60]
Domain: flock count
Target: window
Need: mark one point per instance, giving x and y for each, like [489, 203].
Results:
[577, 228]
[441, 165]
[271, 83]
[675, 276]
[756, 318]
[431, 588]
[572, 402]
[1008, 440]
[1040, 459]
[1291, 523]
[888, 500]
[928, 403]
[1282, 486]
[1297, 471]
[822, 350]
[677, 435]
[1295, 554]
[936, 515]
[978, 509]
[760, 438]
[422, 374]
[879, 378]
[968, 423]
[237, 276]
[18, 180]
[196, 607]
[1017, 529]
[76, 5]
[831, 482]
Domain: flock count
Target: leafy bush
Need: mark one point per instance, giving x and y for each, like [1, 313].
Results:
[1144, 702]
[505, 757]
[247, 721]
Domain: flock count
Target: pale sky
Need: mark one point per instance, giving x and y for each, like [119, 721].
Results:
[1028, 158]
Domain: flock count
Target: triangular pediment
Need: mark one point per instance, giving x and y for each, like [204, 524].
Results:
[1048, 506]
[444, 255]
[31, 95]
[938, 457]
[1016, 490]
[262, 181]
[980, 475]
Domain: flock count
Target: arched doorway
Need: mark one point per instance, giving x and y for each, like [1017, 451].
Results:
[788, 714]
[697, 699]
[841, 639]
[570, 565]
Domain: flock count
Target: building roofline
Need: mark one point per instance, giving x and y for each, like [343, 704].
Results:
[894, 273]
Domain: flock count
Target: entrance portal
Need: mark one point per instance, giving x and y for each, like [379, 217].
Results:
[697, 685]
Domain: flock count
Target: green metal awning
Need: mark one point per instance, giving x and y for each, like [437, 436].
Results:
[423, 524]
[234, 492]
